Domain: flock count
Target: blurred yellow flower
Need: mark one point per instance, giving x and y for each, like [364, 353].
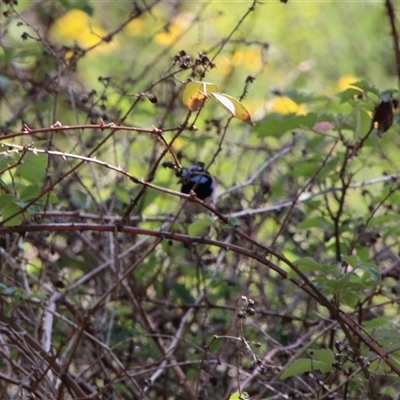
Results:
[75, 26]
[172, 32]
[180, 144]
[284, 105]
[345, 82]
[250, 58]
[224, 65]
[93, 36]
[237, 57]
[135, 27]
[72, 24]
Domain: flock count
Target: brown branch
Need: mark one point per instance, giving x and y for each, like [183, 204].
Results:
[226, 40]
[395, 36]
[67, 378]
[345, 321]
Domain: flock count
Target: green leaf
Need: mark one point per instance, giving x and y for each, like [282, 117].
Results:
[6, 199]
[363, 123]
[383, 219]
[351, 260]
[30, 192]
[276, 124]
[33, 167]
[181, 292]
[319, 360]
[306, 168]
[305, 264]
[366, 87]
[362, 253]
[7, 54]
[7, 160]
[51, 197]
[349, 94]
[350, 298]
[297, 367]
[198, 227]
[315, 222]
[378, 322]
[234, 222]
[235, 107]
[372, 270]
[324, 356]
[297, 96]
[9, 210]
[342, 283]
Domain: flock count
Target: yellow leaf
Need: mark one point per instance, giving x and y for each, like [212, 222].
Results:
[196, 94]
[235, 107]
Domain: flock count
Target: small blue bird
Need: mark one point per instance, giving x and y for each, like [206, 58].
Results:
[196, 179]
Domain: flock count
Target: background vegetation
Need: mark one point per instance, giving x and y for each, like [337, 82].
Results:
[288, 288]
